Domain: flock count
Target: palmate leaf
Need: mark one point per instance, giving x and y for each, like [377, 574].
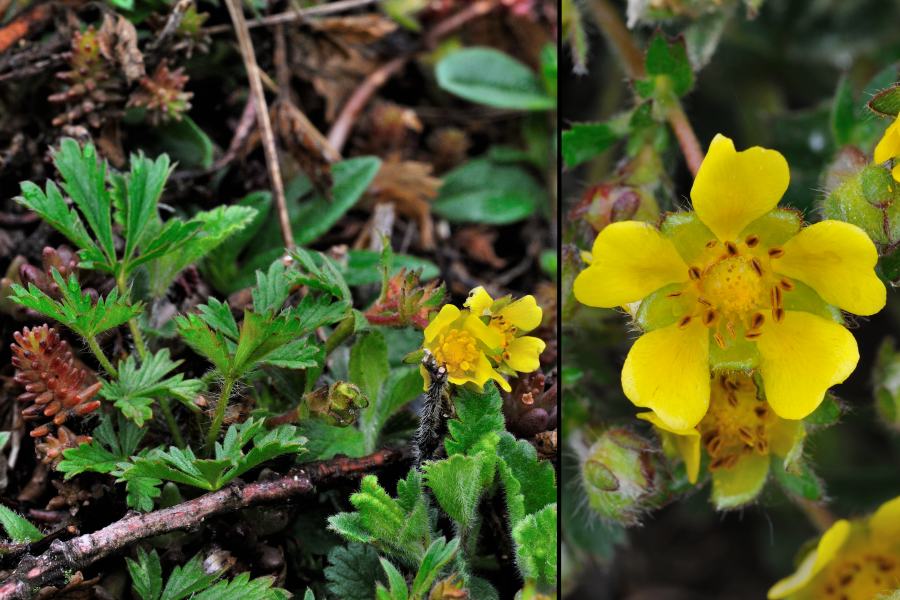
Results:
[477, 415]
[138, 386]
[136, 197]
[76, 310]
[204, 341]
[53, 209]
[352, 572]
[146, 575]
[109, 447]
[241, 588]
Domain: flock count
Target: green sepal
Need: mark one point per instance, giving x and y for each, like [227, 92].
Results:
[799, 481]
[741, 484]
[688, 234]
[775, 227]
[658, 310]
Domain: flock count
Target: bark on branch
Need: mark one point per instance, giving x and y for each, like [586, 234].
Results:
[63, 558]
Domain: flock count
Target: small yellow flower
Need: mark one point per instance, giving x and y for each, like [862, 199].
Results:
[512, 319]
[739, 435]
[889, 147]
[737, 284]
[854, 560]
[462, 343]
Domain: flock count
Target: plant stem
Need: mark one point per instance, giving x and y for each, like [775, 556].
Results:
[213, 434]
[817, 514]
[171, 423]
[632, 60]
[343, 330]
[136, 334]
[98, 352]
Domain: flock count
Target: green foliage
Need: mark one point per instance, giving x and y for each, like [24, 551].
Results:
[438, 555]
[851, 122]
[886, 102]
[535, 538]
[352, 571]
[229, 461]
[482, 191]
[138, 386]
[492, 78]
[584, 141]
[668, 69]
[478, 416]
[76, 310]
[109, 447]
[192, 581]
[457, 485]
[17, 527]
[362, 267]
[799, 481]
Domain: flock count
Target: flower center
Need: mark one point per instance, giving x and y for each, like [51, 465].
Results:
[507, 329]
[732, 285]
[457, 351]
[862, 575]
[737, 423]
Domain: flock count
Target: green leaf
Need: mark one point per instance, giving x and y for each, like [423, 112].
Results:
[299, 354]
[669, 60]
[84, 176]
[184, 141]
[827, 413]
[369, 364]
[137, 387]
[17, 527]
[583, 141]
[76, 310]
[398, 589]
[203, 340]
[481, 191]
[457, 485]
[843, 114]
[187, 579]
[218, 316]
[800, 482]
[146, 574]
[141, 491]
[439, 553]
[242, 588]
[272, 289]
[886, 102]
[221, 264]
[478, 415]
[53, 209]
[535, 539]
[327, 441]
[536, 478]
[138, 199]
[352, 572]
[362, 267]
[401, 387]
[492, 78]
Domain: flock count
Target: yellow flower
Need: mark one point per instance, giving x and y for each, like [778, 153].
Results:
[889, 147]
[737, 284]
[854, 560]
[512, 319]
[462, 343]
[739, 434]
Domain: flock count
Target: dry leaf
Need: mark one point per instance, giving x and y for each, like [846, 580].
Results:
[410, 186]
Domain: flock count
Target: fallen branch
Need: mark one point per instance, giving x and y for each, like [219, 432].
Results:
[64, 558]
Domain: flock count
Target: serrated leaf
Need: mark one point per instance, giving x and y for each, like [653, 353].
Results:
[369, 364]
[457, 485]
[536, 551]
[352, 572]
[109, 447]
[477, 415]
[482, 191]
[299, 354]
[53, 209]
[436, 557]
[204, 341]
[138, 197]
[76, 310]
[188, 579]
[17, 527]
[327, 441]
[492, 78]
[242, 588]
[583, 141]
[527, 475]
[146, 574]
[272, 289]
[397, 589]
[670, 59]
[218, 316]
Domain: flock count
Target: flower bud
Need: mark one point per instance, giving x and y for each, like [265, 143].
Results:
[869, 199]
[339, 403]
[621, 475]
[450, 588]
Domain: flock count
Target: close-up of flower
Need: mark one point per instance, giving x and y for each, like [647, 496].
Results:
[889, 147]
[857, 559]
[735, 442]
[736, 284]
[513, 319]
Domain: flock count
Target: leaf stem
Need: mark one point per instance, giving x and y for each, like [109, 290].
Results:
[343, 330]
[171, 423]
[213, 434]
[98, 352]
[136, 334]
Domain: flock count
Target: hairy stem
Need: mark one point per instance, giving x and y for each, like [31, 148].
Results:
[101, 357]
[136, 334]
[213, 434]
[171, 423]
[343, 330]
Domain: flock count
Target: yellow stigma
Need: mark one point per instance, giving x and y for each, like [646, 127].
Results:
[737, 423]
[457, 351]
[862, 575]
[733, 285]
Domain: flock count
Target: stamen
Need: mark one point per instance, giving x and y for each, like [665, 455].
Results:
[779, 314]
[730, 327]
[704, 301]
[752, 335]
[731, 248]
[673, 294]
[720, 342]
[756, 266]
[786, 285]
[709, 317]
[752, 240]
[776, 252]
[711, 243]
[746, 435]
[761, 411]
[685, 320]
[729, 384]
[757, 320]
[733, 399]
[694, 273]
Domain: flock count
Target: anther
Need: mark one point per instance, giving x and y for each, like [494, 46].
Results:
[673, 294]
[756, 266]
[730, 327]
[778, 314]
[733, 399]
[746, 436]
[786, 285]
[757, 320]
[711, 243]
[709, 317]
[685, 320]
[761, 411]
[694, 273]
[752, 335]
[752, 240]
[704, 301]
[731, 248]
[776, 252]
[720, 342]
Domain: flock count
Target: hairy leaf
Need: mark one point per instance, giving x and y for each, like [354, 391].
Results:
[352, 572]
[535, 538]
[17, 527]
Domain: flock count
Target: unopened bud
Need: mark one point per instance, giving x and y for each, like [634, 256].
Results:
[869, 199]
[339, 403]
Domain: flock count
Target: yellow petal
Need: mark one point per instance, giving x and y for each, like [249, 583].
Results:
[885, 523]
[667, 371]
[686, 442]
[524, 313]
[837, 260]
[484, 371]
[489, 337]
[630, 260]
[800, 358]
[524, 353]
[734, 188]
[741, 483]
[479, 301]
[448, 314]
[815, 561]
[889, 145]
[786, 439]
